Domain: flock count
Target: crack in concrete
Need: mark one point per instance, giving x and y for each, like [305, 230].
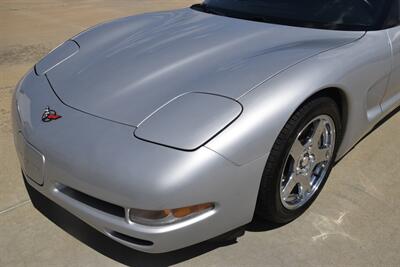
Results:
[15, 206]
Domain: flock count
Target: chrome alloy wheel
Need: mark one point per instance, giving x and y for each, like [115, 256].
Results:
[307, 162]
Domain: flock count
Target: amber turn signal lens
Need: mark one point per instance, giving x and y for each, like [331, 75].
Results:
[183, 212]
[167, 216]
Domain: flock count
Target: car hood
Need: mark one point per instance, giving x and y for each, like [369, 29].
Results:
[126, 69]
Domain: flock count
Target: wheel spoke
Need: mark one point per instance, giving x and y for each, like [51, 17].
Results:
[308, 145]
[318, 132]
[297, 149]
[305, 183]
[321, 154]
[292, 182]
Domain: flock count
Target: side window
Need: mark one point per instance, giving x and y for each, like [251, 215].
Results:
[393, 19]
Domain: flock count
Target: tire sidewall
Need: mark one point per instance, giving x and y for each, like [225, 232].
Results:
[272, 175]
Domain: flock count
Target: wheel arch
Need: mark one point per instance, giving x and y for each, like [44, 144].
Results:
[339, 96]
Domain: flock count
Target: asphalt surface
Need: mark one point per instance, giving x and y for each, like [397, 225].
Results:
[354, 222]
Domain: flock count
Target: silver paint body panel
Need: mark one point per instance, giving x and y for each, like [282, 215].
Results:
[56, 57]
[199, 115]
[104, 160]
[145, 61]
[126, 73]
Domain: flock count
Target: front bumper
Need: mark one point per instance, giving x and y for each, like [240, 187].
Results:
[104, 162]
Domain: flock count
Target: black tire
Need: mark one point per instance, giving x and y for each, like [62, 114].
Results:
[269, 205]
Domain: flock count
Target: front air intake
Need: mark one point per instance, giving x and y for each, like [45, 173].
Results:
[93, 202]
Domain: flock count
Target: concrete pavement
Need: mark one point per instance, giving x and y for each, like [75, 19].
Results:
[355, 220]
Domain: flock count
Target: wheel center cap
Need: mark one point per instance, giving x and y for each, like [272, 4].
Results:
[306, 162]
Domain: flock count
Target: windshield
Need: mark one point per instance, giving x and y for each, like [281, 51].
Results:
[325, 14]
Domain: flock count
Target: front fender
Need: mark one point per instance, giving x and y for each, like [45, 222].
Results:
[360, 70]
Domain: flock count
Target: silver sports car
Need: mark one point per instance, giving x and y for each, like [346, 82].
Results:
[167, 129]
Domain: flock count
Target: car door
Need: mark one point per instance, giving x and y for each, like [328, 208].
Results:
[392, 95]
